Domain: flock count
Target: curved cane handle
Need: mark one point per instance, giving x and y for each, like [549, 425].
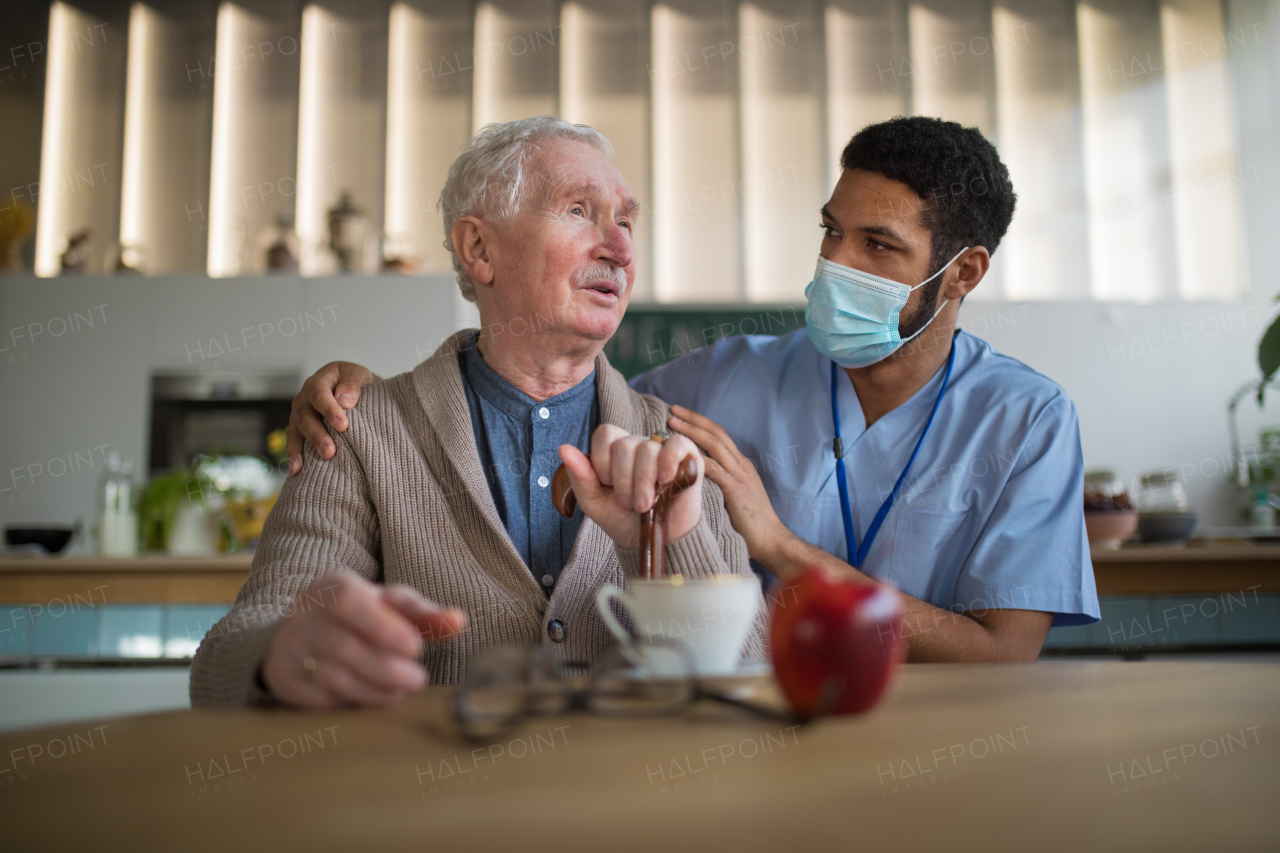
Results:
[686, 476]
[562, 493]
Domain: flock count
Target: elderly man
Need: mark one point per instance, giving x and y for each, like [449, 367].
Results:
[434, 518]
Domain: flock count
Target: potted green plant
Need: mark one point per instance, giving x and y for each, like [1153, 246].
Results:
[193, 487]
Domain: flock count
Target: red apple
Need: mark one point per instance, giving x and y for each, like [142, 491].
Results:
[828, 630]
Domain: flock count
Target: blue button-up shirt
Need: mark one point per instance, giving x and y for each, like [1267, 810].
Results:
[518, 439]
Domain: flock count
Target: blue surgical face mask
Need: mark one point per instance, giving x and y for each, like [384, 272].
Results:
[852, 316]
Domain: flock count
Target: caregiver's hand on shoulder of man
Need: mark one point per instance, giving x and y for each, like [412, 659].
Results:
[326, 395]
[750, 509]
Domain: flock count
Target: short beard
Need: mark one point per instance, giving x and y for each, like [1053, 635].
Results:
[924, 311]
[929, 299]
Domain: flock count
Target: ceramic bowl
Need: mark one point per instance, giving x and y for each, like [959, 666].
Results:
[51, 539]
[1109, 529]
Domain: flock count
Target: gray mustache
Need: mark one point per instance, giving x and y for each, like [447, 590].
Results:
[597, 270]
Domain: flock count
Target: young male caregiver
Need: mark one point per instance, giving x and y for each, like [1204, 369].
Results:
[890, 445]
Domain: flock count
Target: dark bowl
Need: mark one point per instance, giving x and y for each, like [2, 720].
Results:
[1166, 526]
[51, 539]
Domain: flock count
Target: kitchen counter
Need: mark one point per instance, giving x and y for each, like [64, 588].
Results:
[149, 579]
[155, 579]
[1194, 568]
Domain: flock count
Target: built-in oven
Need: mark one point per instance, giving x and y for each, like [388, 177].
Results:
[230, 413]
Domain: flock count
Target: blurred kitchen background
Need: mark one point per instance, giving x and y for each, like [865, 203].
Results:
[201, 203]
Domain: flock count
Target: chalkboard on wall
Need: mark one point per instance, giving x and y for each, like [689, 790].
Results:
[650, 336]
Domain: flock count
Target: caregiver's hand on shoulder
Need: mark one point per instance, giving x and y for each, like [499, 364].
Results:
[621, 477]
[748, 503]
[325, 396]
[349, 641]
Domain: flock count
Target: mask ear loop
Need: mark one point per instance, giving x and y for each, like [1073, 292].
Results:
[941, 270]
[944, 302]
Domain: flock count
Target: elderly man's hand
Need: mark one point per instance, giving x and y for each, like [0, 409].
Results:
[352, 642]
[326, 395]
[621, 478]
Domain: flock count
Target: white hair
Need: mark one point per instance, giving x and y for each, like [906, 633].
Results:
[488, 178]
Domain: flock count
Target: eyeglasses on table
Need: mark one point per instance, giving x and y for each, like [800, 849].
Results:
[505, 685]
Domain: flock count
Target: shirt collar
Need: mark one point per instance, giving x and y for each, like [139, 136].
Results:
[508, 398]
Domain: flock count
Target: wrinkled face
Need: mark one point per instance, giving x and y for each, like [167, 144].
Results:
[873, 223]
[566, 262]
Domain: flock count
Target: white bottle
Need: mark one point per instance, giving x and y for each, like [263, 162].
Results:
[117, 513]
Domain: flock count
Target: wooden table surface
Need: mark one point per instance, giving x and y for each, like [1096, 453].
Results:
[1065, 755]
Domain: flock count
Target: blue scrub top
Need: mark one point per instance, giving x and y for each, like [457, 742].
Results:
[992, 513]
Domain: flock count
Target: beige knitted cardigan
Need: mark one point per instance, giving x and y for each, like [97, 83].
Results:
[405, 501]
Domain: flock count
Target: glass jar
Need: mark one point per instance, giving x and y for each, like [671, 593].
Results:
[349, 234]
[117, 509]
[1161, 491]
[1104, 492]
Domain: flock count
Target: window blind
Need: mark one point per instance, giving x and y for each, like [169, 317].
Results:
[1114, 118]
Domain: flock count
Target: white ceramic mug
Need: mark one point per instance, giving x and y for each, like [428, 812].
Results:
[710, 616]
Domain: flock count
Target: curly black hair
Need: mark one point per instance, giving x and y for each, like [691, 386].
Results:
[967, 197]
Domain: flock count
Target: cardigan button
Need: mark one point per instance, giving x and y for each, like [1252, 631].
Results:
[556, 631]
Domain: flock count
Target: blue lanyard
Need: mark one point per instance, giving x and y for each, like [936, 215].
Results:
[858, 553]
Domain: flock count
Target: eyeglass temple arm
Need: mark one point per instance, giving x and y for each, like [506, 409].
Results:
[832, 691]
[758, 710]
